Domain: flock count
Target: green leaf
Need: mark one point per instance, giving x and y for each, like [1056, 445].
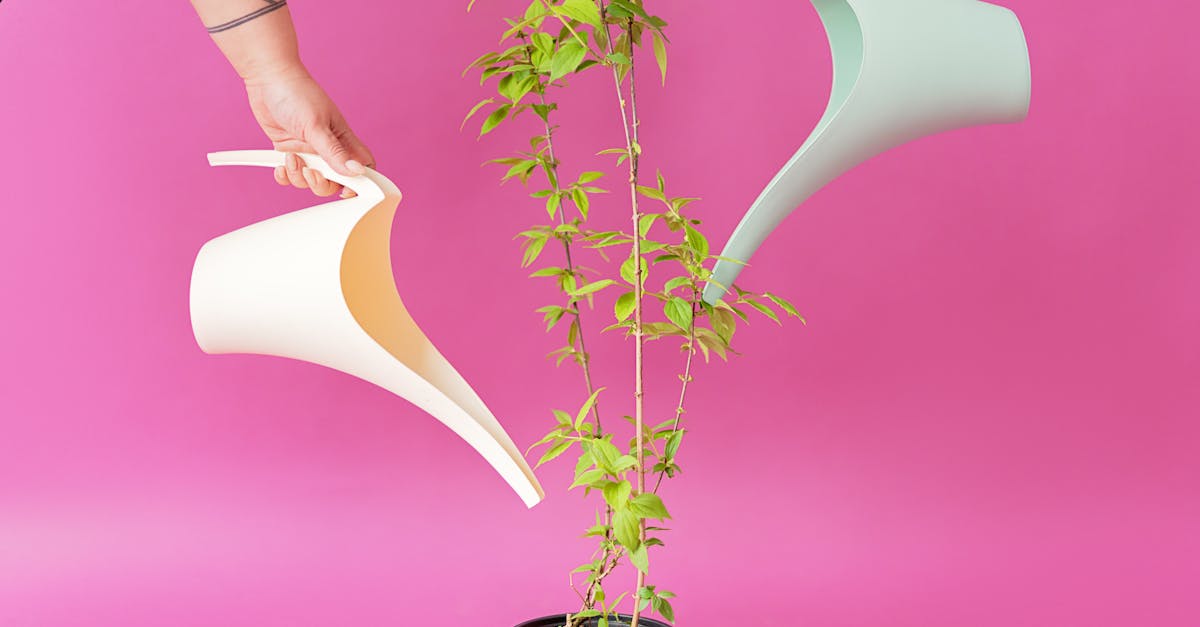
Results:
[494, 119]
[650, 192]
[533, 251]
[677, 283]
[555, 451]
[553, 201]
[624, 306]
[696, 241]
[544, 272]
[679, 311]
[566, 59]
[543, 41]
[647, 221]
[664, 609]
[605, 454]
[789, 308]
[619, 59]
[627, 270]
[617, 494]
[631, 7]
[481, 104]
[587, 406]
[583, 10]
[626, 528]
[660, 54]
[640, 559]
[649, 505]
[673, 442]
[585, 460]
[723, 323]
[623, 463]
[588, 177]
[766, 311]
[581, 201]
[584, 568]
[520, 170]
[593, 287]
[587, 477]
[543, 110]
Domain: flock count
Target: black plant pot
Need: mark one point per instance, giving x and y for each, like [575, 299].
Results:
[558, 620]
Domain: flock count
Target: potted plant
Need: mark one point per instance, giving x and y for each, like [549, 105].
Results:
[659, 265]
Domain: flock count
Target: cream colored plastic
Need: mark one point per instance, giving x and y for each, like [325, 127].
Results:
[903, 69]
[316, 285]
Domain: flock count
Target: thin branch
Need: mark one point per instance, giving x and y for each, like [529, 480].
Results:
[639, 339]
[687, 377]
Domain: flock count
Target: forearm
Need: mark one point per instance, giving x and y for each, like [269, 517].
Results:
[256, 36]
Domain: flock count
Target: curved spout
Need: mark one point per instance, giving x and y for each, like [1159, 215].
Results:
[901, 71]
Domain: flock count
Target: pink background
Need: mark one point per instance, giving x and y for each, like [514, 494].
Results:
[991, 419]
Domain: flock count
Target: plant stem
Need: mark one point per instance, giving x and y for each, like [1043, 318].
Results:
[687, 377]
[585, 364]
[589, 597]
[639, 341]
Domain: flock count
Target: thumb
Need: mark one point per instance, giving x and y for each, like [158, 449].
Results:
[335, 153]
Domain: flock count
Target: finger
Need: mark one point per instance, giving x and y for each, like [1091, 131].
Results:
[295, 171]
[281, 176]
[358, 150]
[335, 153]
[348, 193]
[319, 185]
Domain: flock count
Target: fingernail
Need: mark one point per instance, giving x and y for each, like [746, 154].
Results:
[310, 177]
[293, 162]
[355, 167]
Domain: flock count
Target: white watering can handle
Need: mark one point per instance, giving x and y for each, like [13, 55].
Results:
[363, 185]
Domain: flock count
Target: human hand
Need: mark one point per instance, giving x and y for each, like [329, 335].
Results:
[298, 116]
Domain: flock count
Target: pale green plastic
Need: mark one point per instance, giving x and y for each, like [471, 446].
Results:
[902, 70]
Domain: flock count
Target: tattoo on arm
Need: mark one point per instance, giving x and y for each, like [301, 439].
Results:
[272, 5]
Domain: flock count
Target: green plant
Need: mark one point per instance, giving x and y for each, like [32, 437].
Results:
[552, 42]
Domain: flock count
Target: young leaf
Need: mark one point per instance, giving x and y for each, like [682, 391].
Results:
[555, 451]
[481, 104]
[593, 287]
[627, 271]
[764, 310]
[587, 406]
[583, 10]
[626, 527]
[533, 251]
[784, 305]
[587, 477]
[568, 57]
[679, 311]
[664, 609]
[660, 54]
[617, 494]
[494, 119]
[624, 306]
[696, 241]
[640, 559]
[649, 505]
[580, 198]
